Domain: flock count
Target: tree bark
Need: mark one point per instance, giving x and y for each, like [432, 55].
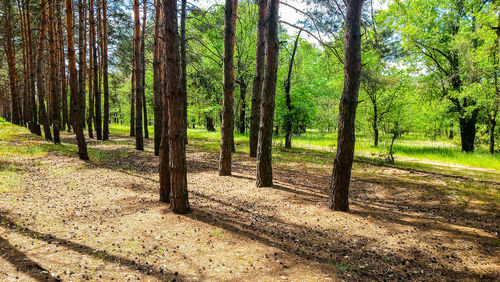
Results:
[77, 96]
[92, 59]
[468, 131]
[342, 165]
[375, 121]
[157, 77]
[97, 81]
[243, 105]
[26, 91]
[34, 118]
[132, 94]
[11, 62]
[55, 112]
[184, 64]
[39, 73]
[179, 202]
[139, 142]
[143, 68]
[210, 124]
[227, 128]
[264, 154]
[258, 79]
[105, 132]
[288, 84]
[62, 68]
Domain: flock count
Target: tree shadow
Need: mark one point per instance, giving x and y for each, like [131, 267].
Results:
[103, 255]
[23, 263]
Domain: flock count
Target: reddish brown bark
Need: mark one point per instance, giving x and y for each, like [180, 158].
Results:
[11, 62]
[62, 69]
[92, 68]
[179, 202]
[77, 96]
[39, 73]
[97, 75]
[258, 79]
[264, 154]
[139, 142]
[143, 68]
[54, 86]
[105, 132]
[157, 77]
[339, 190]
[82, 54]
[227, 128]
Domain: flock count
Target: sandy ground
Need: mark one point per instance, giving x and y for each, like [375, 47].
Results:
[101, 220]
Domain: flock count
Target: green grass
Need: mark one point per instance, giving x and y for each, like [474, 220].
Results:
[443, 151]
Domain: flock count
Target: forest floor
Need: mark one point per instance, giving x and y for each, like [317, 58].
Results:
[66, 219]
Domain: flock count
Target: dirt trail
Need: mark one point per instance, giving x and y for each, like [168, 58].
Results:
[75, 220]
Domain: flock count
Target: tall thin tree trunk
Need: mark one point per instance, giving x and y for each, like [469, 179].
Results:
[39, 73]
[62, 70]
[97, 81]
[143, 68]
[82, 54]
[105, 133]
[32, 74]
[91, 118]
[227, 128]
[342, 165]
[184, 64]
[288, 85]
[55, 113]
[264, 154]
[258, 79]
[139, 142]
[179, 202]
[11, 61]
[243, 105]
[25, 104]
[157, 77]
[78, 96]
[132, 94]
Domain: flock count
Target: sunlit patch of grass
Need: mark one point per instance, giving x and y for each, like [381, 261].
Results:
[100, 155]
[10, 178]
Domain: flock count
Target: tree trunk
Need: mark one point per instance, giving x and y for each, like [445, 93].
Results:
[11, 61]
[132, 94]
[227, 127]
[184, 64]
[143, 68]
[288, 84]
[342, 165]
[210, 124]
[55, 113]
[26, 91]
[105, 133]
[92, 59]
[139, 142]
[493, 124]
[179, 202]
[258, 79]
[97, 81]
[39, 73]
[243, 106]
[62, 69]
[157, 77]
[468, 131]
[34, 118]
[264, 154]
[78, 97]
[375, 123]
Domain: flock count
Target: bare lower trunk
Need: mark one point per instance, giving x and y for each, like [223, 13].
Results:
[288, 85]
[157, 75]
[97, 81]
[243, 106]
[143, 69]
[139, 142]
[493, 124]
[11, 61]
[468, 132]
[39, 73]
[264, 149]
[184, 64]
[210, 123]
[78, 96]
[227, 127]
[258, 79]
[341, 176]
[179, 202]
[55, 114]
[105, 130]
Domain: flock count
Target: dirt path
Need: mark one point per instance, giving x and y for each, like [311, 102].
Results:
[75, 220]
